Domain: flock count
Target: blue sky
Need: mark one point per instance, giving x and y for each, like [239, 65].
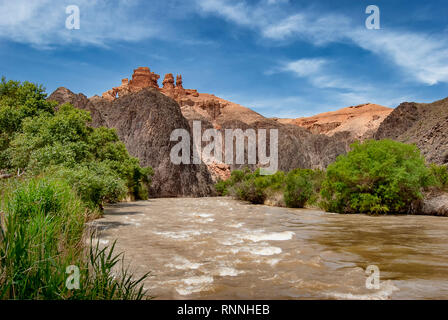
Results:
[281, 58]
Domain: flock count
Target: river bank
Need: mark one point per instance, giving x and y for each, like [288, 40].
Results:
[209, 248]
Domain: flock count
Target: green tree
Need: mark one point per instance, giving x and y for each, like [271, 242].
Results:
[42, 138]
[19, 101]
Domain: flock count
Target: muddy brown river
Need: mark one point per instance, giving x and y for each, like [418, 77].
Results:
[220, 248]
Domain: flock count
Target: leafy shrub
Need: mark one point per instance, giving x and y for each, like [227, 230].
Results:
[439, 176]
[251, 186]
[221, 187]
[376, 177]
[95, 183]
[302, 186]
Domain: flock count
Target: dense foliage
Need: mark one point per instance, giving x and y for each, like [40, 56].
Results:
[296, 188]
[61, 171]
[302, 186]
[36, 137]
[440, 176]
[376, 177]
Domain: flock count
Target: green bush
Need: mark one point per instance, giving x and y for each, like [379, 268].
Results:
[221, 187]
[376, 177]
[439, 176]
[95, 183]
[302, 186]
[251, 186]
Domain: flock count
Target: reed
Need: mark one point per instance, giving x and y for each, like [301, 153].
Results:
[42, 233]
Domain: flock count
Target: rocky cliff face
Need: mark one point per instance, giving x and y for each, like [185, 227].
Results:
[144, 121]
[357, 122]
[425, 124]
[298, 147]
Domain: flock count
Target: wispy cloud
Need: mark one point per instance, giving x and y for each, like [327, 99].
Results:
[41, 23]
[321, 73]
[422, 56]
[305, 67]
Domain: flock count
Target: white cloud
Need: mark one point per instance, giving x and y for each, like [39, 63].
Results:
[277, 1]
[305, 67]
[423, 57]
[41, 23]
[321, 73]
[237, 12]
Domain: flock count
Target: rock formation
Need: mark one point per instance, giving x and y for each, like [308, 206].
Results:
[144, 78]
[425, 124]
[168, 82]
[144, 121]
[358, 122]
[298, 147]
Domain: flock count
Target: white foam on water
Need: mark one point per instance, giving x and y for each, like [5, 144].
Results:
[236, 225]
[199, 280]
[185, 234]
[184, 264]
[231, 241]
[273, 236]
[266, 251]
[185, 291]
[229, 272]
[259, 251]
[202, 215]
[134, 222]
[181, 235]
[384, 293]
[273, 262]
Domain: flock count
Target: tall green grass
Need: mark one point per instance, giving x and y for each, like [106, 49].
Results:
[42, 233]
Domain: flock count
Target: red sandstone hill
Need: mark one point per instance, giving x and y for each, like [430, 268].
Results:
[193, 104]
[355, 123]
[360, 122]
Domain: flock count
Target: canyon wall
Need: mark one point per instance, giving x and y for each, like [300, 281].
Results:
[145, 114]
[144, 121]
[425, 124]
